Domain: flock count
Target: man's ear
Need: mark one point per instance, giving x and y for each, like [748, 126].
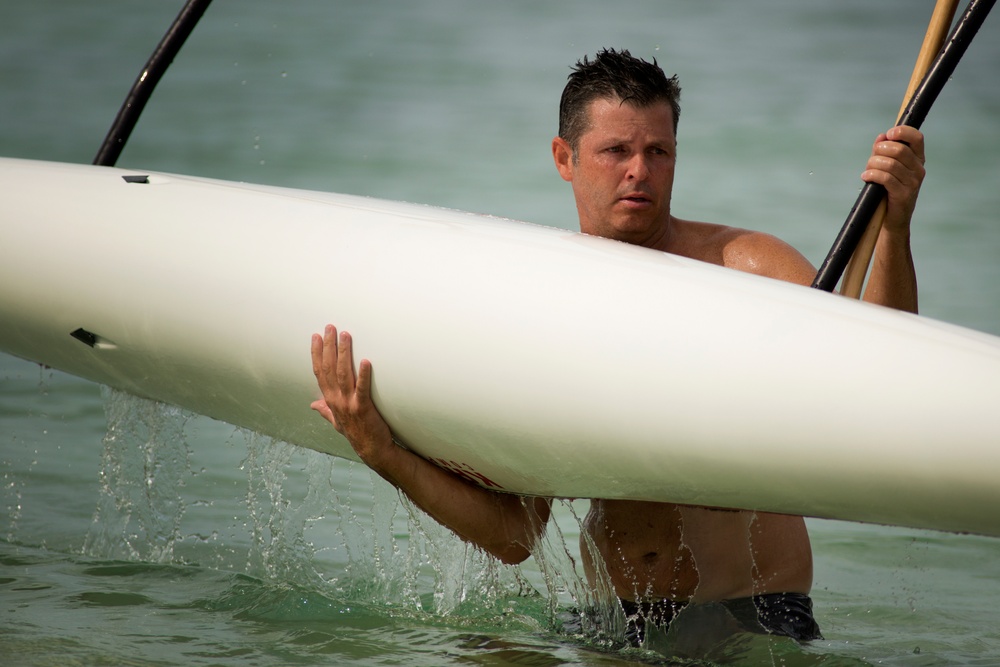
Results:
[562, 153]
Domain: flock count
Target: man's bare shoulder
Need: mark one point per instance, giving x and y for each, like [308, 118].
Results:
[741, 249]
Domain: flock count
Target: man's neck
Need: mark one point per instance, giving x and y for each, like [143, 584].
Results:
[662, 238]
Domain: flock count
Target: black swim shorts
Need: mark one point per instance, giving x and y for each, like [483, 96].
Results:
[784, 614]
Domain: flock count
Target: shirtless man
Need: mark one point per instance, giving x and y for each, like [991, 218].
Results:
[617, 147]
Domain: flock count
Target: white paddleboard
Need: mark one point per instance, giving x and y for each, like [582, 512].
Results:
[529, 359]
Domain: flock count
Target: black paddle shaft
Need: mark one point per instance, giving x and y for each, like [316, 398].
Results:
[914, 114]
[151, 74]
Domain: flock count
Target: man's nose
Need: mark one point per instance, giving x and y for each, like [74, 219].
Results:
[638, 169]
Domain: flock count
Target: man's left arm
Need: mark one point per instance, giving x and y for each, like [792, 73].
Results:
[896, 163]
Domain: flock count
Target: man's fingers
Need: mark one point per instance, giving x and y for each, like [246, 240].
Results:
[910, 136]
[333, 366]
[316, 349]
[895, 162]
[329, 353]
[364, 380]
[883, 178]
[345, 363]
[320, 406]
[904, 144]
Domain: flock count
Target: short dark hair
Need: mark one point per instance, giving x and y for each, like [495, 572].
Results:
[613, 74]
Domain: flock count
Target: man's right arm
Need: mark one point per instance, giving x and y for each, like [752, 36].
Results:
[502, 524]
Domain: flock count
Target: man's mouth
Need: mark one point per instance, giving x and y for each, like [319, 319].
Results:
[635, 198]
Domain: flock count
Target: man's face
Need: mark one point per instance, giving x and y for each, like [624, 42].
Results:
[623, 171]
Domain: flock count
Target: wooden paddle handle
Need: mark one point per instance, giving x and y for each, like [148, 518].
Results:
[937, 31]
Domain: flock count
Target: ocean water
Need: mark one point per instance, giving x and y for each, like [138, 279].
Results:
[136, 534]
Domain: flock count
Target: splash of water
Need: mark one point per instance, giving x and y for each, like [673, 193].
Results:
[12, 486]
[12, 500]
[312, 522]
[145, 461]
[314, 532]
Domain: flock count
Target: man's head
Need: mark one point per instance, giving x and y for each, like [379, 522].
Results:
[617, 146]
[613, 75]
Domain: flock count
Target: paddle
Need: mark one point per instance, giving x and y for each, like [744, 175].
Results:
[916, 111]
[937, 30]
[151, 74]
